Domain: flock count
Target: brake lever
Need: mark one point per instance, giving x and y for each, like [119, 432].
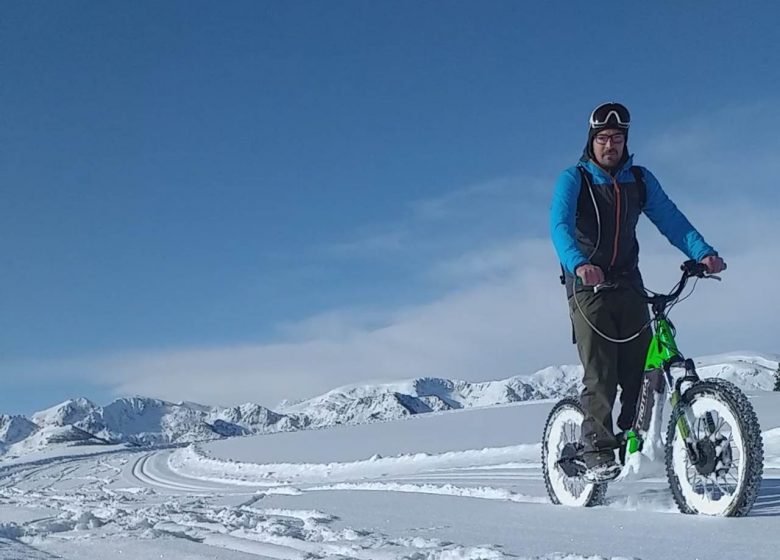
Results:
[604, 286]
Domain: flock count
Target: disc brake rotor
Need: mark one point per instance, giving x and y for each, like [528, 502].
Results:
[707, 458]
[569, 448]
[714, 453]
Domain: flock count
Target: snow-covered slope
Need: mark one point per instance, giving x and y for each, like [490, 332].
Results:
[134, 420]
[15, 428]
[456, 485]
[52, 436]
[356, 404]
[747, 370]
[68, 412]
[250, 418]
[145, 421]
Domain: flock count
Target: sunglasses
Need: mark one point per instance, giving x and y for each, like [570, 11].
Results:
[617, 138]
[615, 112]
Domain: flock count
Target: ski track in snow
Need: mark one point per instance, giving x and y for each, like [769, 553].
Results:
[186, 494]
[139, 493]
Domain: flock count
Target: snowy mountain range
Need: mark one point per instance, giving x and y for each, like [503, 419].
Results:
[146, 421]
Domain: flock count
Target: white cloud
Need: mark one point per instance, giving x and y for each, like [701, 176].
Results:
[465, 219]
[371, 244]
[487, 262]
[503, 311]
[498, 327]
[511, 319]
[461, 201]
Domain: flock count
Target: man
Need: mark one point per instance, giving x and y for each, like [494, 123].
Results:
[595, 209]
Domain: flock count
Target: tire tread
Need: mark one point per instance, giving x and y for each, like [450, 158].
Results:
[746, 417]
[599, 491]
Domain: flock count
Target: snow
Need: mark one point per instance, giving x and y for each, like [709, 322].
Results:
[146, 421]
[357, 404]
[68, 412]
[193, 461]
[749, 371]
[49, 437]
[136, 421]
[14, 429]
[460, 483]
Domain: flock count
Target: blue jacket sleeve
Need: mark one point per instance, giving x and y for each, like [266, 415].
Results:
[563, 215]
[671, 222]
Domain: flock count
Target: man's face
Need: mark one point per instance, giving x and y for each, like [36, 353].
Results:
[608, 146]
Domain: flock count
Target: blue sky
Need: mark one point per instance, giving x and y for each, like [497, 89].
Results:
[257, 200]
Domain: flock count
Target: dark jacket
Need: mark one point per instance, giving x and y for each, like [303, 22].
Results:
[604, 234]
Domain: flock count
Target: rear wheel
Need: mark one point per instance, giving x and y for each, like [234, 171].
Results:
[725, 476]
[560, 448]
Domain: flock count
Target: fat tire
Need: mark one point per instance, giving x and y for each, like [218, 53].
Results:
[598, 493]
[747, 422]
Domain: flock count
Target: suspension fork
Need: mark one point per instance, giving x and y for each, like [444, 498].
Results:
[687, 420]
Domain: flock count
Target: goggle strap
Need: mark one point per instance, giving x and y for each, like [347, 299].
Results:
[594, 122]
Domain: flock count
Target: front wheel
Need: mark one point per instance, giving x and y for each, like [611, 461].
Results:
[721, 473]
[562, 458]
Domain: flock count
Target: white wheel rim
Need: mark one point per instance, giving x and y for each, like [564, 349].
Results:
[711, 494]
[564, 428]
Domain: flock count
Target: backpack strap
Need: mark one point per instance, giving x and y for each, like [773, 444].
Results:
[585, 185]
[586, 182]
[639, 177]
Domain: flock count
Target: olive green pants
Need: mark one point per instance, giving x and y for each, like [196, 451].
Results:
[617, 313]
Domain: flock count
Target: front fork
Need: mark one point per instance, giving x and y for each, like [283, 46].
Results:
[649, 406]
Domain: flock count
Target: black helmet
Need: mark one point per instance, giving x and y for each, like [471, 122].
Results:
[607, 115]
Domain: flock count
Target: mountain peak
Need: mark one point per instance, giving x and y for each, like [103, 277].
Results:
[65, 413]
[148, 421]
[15, 428]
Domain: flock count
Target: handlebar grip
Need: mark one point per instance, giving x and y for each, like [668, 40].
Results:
[693, 268]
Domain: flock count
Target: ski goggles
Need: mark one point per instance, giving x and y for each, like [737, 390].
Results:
[614, 112]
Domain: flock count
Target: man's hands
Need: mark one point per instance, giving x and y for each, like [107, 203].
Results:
[713, 263]
[590, 274]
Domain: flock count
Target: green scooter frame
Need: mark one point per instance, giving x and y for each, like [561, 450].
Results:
[663, 354]
[713, 449]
